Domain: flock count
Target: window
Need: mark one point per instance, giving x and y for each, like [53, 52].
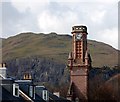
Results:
[31, 91]
[16, 90]
[45, 95]
[73, 28]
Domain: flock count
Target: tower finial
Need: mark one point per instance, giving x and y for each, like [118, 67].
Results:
[70, 56]
[86, 54]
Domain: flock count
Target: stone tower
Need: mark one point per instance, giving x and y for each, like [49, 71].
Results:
[79, 63]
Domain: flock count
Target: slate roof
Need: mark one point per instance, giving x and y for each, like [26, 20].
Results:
[6, 96]
[54, 98]
[38, 99]
[24, 86]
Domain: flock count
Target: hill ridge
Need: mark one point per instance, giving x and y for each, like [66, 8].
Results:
[55, 46]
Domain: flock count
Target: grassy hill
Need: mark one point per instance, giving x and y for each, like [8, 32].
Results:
[56, 47]
[45, 58]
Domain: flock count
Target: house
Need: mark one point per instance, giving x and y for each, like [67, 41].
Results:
[28, 88]
[16, 90]
[24, 90]
[9, 91]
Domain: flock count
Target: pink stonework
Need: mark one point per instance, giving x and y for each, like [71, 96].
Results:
[79, 64]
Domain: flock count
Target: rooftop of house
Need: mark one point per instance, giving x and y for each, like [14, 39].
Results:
[6, 96]
[13, 90]
[24, 85]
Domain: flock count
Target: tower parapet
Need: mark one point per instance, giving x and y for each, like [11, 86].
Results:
[79, 29]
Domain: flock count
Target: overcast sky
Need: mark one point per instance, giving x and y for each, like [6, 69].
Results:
[100, 16]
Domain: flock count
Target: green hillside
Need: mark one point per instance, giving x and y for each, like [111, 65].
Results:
[56, 47]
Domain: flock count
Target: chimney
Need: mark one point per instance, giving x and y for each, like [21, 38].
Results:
[3, 70]
[27, 76]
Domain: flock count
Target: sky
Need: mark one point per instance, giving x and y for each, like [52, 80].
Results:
[46, 16]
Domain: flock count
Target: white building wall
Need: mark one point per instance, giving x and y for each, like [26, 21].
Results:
[3, 72]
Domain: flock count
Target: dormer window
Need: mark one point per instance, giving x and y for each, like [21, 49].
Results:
[32, 91]
[15, 90]
[45, 95]
[42, 92]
